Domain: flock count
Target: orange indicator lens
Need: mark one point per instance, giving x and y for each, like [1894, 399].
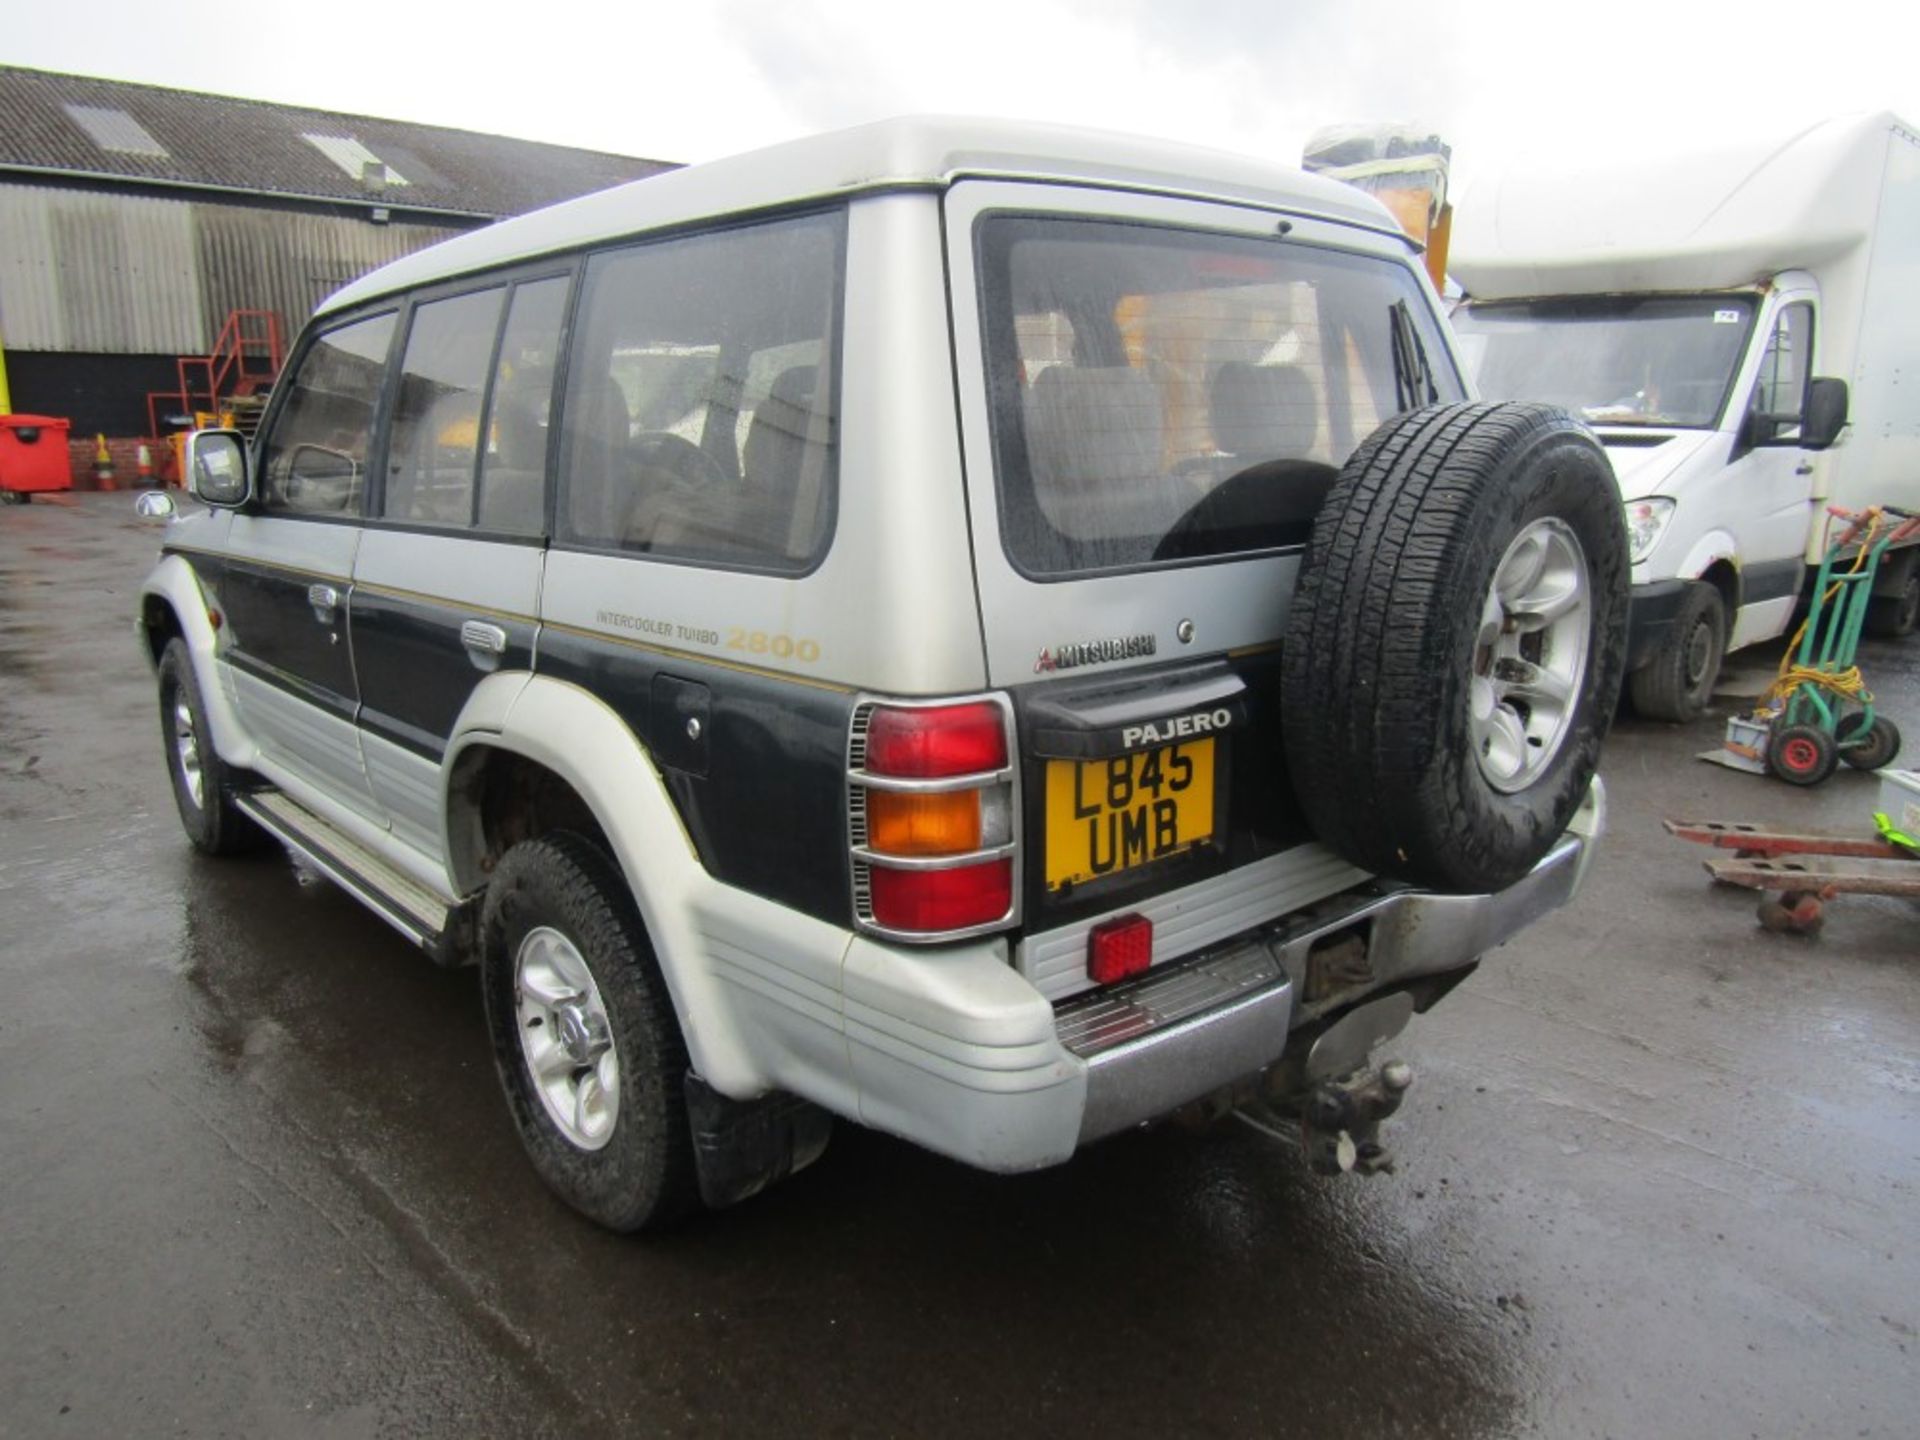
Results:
[899, 823]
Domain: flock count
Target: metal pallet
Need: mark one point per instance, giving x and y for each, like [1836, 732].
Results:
[1805, 868]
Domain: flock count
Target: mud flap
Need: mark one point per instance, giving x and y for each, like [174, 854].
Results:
[740, 1147]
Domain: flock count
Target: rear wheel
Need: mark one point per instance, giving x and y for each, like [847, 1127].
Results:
[1678, 682]
[1802, 754]
[1452, 657]
[1889, 617]
[585, 1040]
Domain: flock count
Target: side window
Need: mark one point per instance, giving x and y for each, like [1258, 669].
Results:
[314, 460]
[1781, 390]
[513, 461]
[699, 419]
[435, 442]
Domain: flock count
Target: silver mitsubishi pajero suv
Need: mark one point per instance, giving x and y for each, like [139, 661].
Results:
[995, 633]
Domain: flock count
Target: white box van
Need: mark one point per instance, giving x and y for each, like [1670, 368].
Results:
[1690, 308]
[992, 633]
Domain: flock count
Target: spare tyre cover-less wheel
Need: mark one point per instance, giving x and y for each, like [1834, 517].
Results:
[1453, 653]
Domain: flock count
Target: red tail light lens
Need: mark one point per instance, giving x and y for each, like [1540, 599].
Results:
[932, 900]
[932, 743]
[1119, 948]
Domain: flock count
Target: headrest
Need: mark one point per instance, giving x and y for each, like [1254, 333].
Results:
[1263, 412]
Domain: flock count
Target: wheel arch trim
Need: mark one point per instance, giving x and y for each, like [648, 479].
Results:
[175, 584]
[1715, 548]
[709, 959]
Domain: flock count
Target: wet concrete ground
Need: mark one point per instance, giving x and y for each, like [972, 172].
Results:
[1658, 1176]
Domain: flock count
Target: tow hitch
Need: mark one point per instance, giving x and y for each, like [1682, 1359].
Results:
[1340, 1119]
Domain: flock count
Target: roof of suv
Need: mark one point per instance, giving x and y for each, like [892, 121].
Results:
[917, 152]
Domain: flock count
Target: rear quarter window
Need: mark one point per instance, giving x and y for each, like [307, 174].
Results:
[1161, 396]
[700, 415]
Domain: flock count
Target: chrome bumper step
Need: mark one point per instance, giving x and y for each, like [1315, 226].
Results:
[1098, 1021]
[397, 898]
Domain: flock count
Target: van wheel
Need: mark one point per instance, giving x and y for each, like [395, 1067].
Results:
[1891, 617]
[203, 783]
[584, 1036]
[1452, 658]
[1678, 682]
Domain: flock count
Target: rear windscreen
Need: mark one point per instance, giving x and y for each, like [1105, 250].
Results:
[1163, 395]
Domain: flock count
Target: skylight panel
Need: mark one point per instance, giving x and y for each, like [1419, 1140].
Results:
[116, 130]
[355, 159]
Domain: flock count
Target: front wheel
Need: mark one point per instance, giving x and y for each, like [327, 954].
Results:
[203, 783]
[585, 1040]
[1677, 682]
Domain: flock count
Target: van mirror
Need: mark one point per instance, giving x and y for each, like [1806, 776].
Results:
[216, 464]
[1826, 413]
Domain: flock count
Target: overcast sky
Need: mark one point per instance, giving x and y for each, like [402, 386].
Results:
[1503, 80]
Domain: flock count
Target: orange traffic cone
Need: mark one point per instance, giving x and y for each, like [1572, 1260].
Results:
[102, 464]
[145, 458]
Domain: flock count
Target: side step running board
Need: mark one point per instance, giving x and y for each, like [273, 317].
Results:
[397, 898]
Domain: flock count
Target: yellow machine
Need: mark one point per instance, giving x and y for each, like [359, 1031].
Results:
[1401, 167]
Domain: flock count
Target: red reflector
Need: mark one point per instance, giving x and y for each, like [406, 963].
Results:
[944, 740]
[1119, 948]
[925, 901]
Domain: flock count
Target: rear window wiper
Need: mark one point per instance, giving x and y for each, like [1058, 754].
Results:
[1412, 375]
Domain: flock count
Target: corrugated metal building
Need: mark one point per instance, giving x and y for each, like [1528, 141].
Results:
[134, 219]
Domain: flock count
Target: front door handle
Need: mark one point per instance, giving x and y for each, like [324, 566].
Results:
[1804, 468]
[325, 600]
[483, 638]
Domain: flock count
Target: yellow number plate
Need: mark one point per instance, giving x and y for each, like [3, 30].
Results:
[1104, 816]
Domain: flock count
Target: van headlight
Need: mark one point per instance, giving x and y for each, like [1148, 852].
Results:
[1646, 522]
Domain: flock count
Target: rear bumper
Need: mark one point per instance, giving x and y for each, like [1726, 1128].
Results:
[955, 1051]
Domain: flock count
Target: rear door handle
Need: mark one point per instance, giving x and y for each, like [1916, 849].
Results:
[1805, 468]
[483, 638]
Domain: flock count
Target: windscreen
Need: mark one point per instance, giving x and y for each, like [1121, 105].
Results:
[1614, 359]
[1162, 396]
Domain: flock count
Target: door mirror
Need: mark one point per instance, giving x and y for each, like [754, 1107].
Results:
[217, 467]
[1826, 413]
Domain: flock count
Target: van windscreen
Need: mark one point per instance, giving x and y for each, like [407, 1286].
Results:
[1161, 395]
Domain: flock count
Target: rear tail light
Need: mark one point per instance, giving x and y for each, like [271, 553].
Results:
[932, 901]
[930, 792]
[936, 741]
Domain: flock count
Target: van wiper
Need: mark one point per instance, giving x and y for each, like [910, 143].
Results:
[1412, 376]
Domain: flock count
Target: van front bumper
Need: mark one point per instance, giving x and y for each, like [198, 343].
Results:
[1652, 610]
[957, 1052]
